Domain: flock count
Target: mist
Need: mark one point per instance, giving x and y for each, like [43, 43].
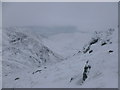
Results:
[83, 16]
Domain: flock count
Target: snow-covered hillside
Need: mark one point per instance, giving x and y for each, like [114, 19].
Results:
[21, 51]
[91, 60]
[1, 58]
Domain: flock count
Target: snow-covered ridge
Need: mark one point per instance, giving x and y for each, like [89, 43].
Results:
[22, 50]
[102, 54]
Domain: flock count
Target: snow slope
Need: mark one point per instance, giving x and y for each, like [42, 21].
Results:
[0, 58]
[100, 51]
[21, 51]
[67, 43]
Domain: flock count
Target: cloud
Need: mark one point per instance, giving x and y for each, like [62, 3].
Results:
[82, 15]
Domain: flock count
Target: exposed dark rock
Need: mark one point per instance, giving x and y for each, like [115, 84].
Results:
[71, 79]
[45, 67]
[73, 54]
[110, 42]
[104, 43]
[110, 51]
[90, 51]
[37, 71]
[94, 41]
[84, 76]
[86, 49]
[86, 71]
[17, 78]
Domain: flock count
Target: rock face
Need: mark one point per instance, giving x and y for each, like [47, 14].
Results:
[86, 71]
[99, 51]
[20, 50]
[99, 55]
[102, 37]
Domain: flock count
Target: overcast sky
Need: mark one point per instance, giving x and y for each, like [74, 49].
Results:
[82, 15]
[0, 14]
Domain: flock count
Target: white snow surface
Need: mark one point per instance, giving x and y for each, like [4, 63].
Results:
[67, 44]
[66, 58]
[0, 58]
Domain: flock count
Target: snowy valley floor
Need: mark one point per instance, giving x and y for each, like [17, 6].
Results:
[73, 51]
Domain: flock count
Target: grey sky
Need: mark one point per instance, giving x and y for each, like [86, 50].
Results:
[85, 16]
[0, 14]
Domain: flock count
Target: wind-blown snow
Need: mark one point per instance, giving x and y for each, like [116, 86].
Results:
[23, 68]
